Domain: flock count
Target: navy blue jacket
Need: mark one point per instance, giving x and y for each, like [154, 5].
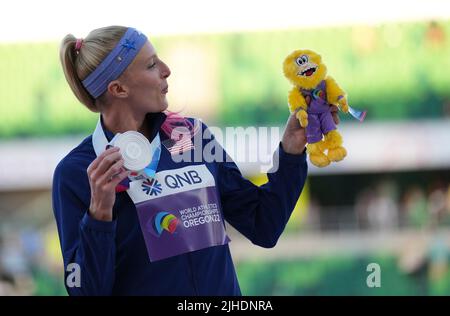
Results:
[112, 256]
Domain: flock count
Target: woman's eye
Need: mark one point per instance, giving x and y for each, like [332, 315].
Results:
[151, 66]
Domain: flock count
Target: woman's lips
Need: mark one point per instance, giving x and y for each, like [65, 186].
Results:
[165, 90]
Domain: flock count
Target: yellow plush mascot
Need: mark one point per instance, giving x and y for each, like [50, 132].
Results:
[313, 94]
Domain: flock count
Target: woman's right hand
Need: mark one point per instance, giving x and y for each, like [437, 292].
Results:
[104, 174]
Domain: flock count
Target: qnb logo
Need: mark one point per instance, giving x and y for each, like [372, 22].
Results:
[162, 221]
[151, 187]
[178, 181]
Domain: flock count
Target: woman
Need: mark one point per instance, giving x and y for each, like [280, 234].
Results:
[160, 236]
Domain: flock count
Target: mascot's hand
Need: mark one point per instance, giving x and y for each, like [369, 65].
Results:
[343, 105]
[302, 116]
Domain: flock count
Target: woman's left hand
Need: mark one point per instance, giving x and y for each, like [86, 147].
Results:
[294, 137]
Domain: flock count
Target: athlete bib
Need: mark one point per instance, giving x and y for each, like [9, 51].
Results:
[178, 210]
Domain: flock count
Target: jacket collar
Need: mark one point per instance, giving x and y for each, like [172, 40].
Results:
[154, 121]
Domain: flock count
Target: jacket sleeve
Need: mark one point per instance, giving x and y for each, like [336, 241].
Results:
[85, 242]
[261, 212]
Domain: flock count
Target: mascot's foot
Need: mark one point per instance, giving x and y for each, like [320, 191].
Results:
[322, 145]
[337, 154]
[319, 160]
[316, 155]
[335, 150]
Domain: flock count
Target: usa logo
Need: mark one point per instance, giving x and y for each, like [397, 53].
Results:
[151, 187]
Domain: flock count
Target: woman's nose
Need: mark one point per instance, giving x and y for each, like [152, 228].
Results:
[165, 70]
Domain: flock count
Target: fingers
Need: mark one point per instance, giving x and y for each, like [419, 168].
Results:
[292, 122]
[119, 177]
[97, 161]
[335, 113]
[335, 117]
[112, 172]
[107, 169]
[106, 162]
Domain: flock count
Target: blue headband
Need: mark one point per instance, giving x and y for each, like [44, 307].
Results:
[115, 63]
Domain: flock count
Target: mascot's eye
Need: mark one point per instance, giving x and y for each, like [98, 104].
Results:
[299, 61]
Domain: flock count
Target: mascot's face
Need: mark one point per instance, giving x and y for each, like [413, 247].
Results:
[304, 68]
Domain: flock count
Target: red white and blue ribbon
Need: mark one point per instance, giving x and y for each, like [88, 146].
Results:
[359, 115]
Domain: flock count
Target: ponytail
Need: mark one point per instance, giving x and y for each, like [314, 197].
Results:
[78, 62]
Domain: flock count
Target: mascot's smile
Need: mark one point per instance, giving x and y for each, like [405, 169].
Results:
[306, 67]
[308, 72]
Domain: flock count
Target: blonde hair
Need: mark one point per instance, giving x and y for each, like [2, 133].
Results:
[77, 65]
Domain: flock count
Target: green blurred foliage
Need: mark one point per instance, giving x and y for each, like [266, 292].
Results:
[36, 99]
[395, 71]
[337, 276]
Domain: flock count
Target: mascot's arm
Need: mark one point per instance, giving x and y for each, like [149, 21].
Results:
[297, 101]
[335, 94]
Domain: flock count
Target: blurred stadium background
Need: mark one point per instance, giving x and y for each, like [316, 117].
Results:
[387, 203]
